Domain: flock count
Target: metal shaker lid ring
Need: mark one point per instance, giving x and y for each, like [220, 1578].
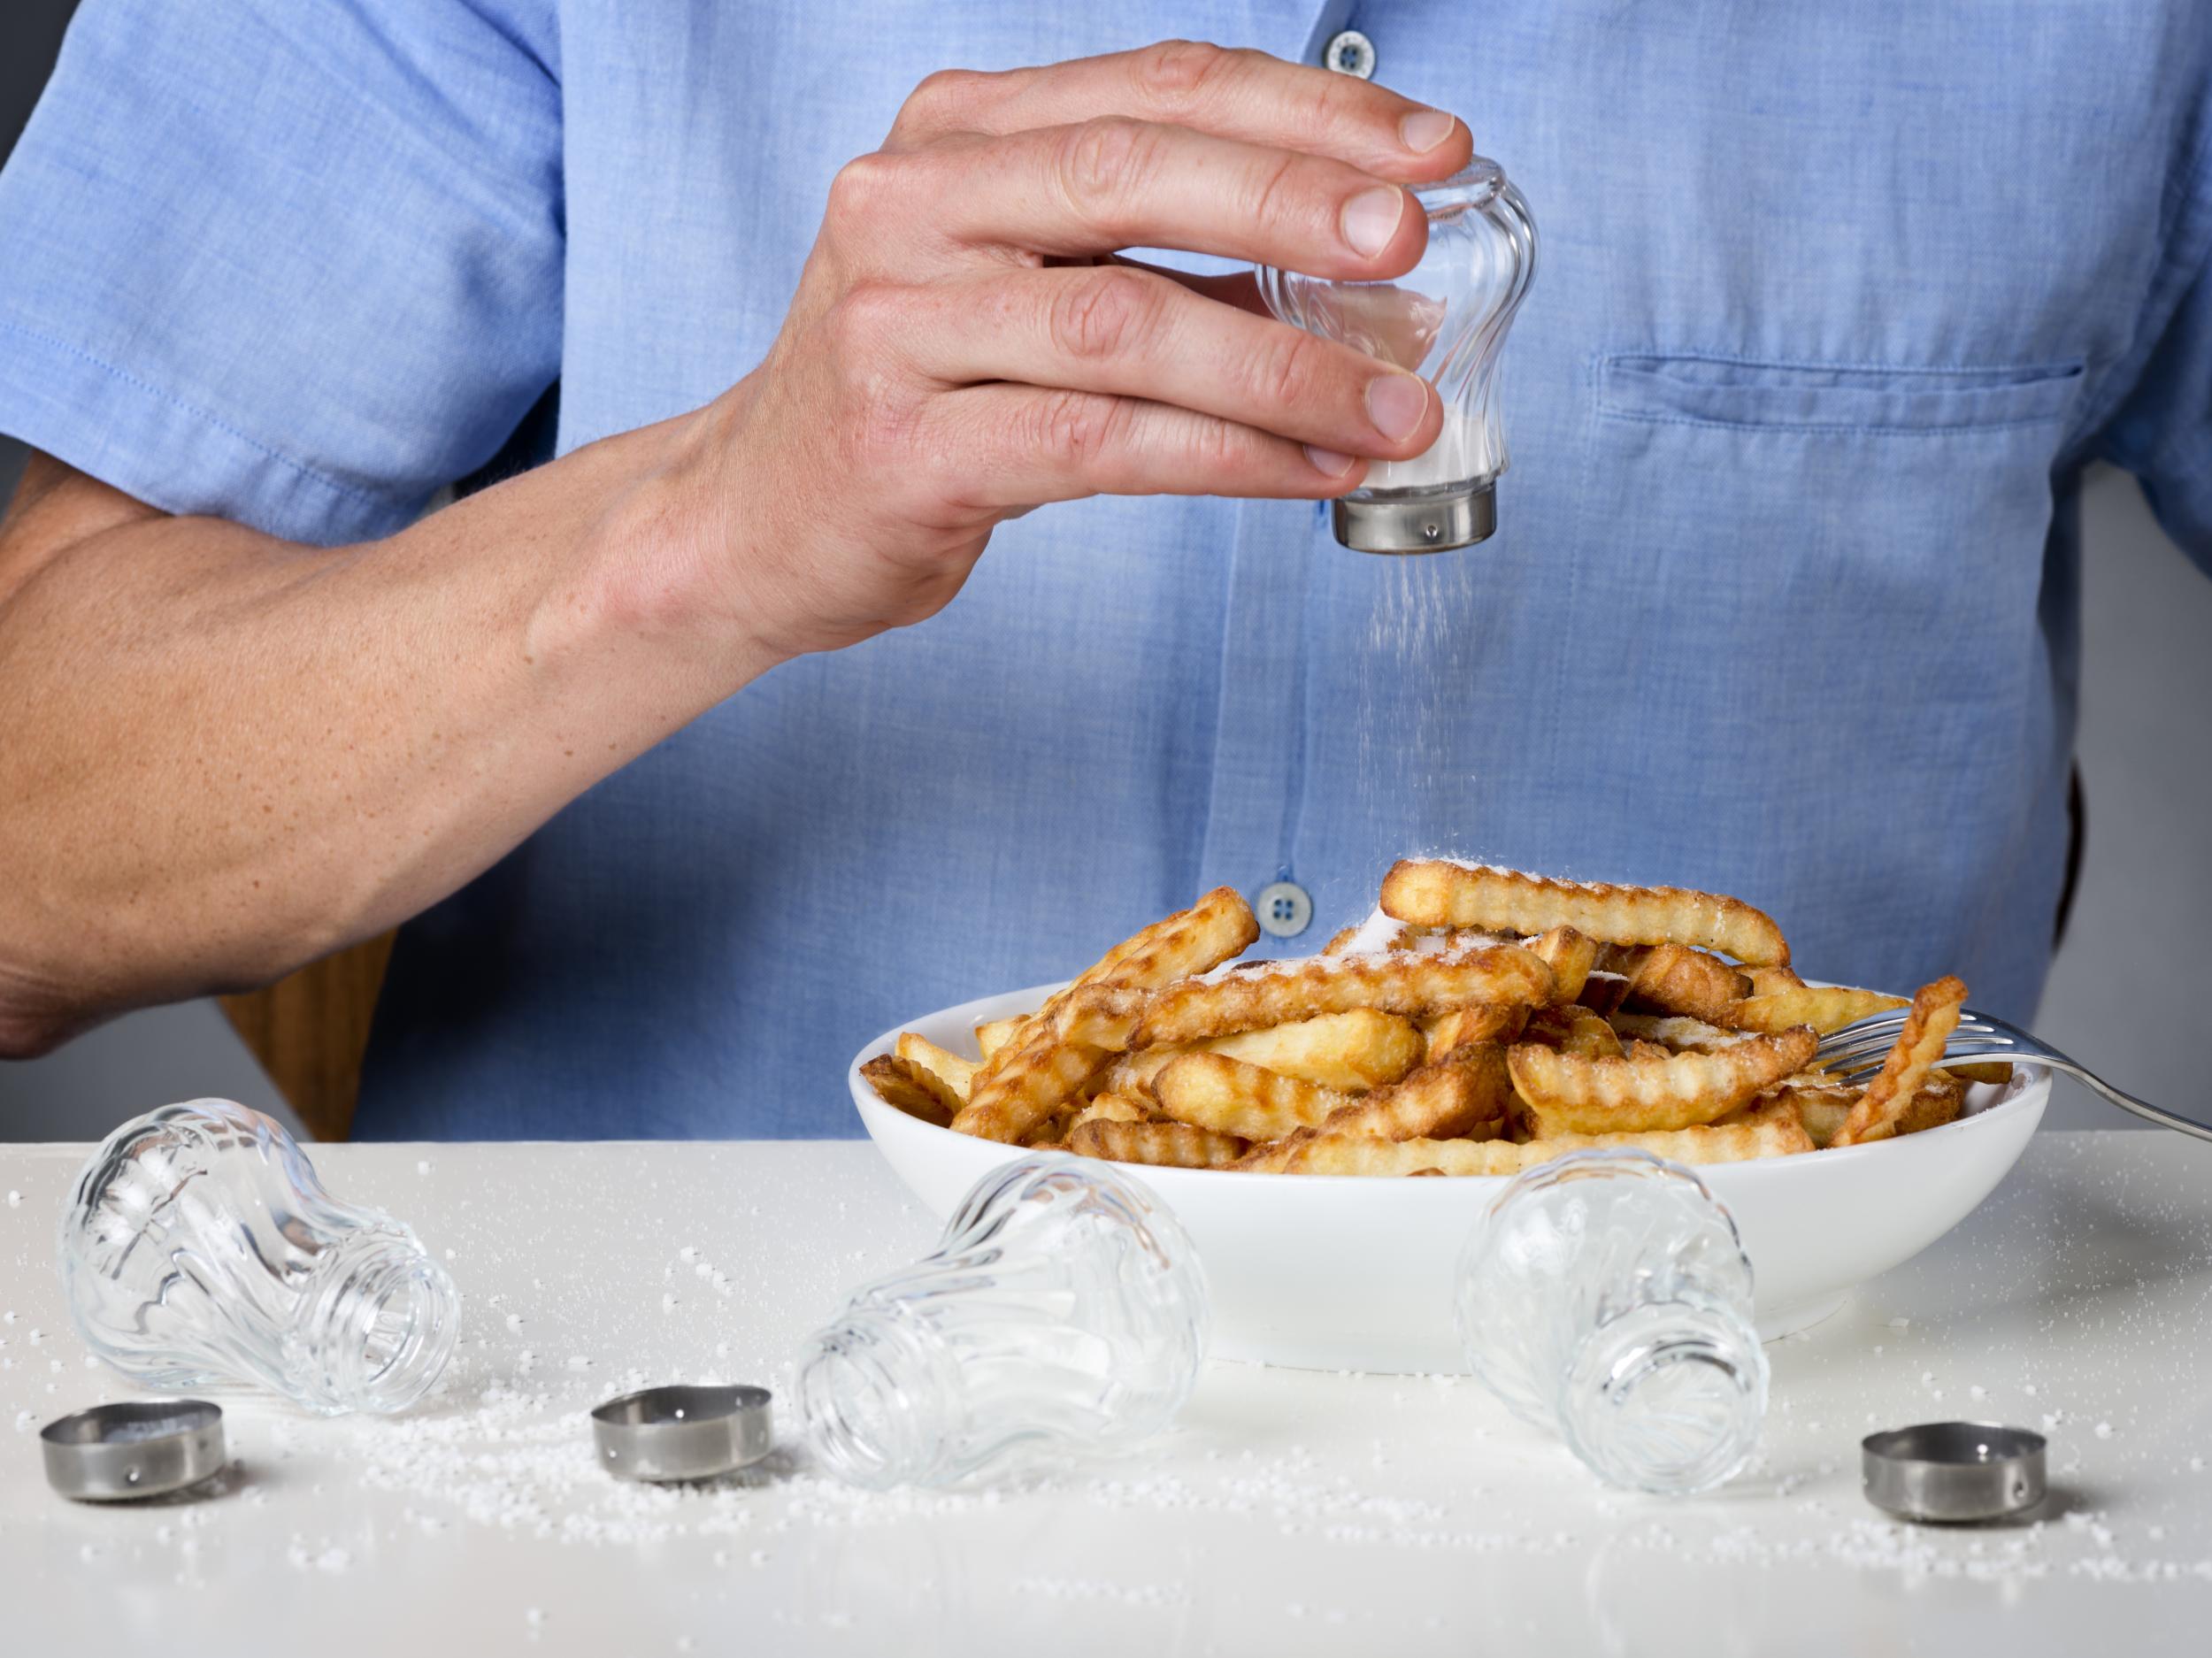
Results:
[134, 1448]
[1953, 1471]
[683, 1433]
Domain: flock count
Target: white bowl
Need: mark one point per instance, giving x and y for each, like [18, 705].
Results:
[1343, 1273]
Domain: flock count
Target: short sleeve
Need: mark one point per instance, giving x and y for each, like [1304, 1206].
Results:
[2162, 431]
[297, 266]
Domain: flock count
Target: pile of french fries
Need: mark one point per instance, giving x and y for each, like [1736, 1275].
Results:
[1482, 1022]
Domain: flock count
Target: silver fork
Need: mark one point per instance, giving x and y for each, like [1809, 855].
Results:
[1856, 1053]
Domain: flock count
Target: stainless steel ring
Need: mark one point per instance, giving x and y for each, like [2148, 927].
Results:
[1416, 521]
[683, 1433]
[1953, 1471]
[134, 1448]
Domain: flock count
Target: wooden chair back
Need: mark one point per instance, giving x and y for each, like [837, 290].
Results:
[310, 1029]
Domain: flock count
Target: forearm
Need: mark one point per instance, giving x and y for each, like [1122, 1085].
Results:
[224, 755]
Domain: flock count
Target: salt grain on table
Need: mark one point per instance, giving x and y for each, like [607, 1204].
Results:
[503, 1453]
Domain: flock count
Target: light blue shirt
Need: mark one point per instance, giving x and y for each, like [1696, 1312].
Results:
[1836, 302]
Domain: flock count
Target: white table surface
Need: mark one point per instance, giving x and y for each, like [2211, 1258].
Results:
[1288, 1512]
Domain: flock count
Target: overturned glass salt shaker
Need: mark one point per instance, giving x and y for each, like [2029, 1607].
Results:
[1064, 1312]
[200, 1247]
[1606, 1297]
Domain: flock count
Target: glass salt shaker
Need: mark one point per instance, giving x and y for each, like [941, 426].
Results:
[1445, 320]
[1606, 1297]
[1064, 1311]
[201, 1247]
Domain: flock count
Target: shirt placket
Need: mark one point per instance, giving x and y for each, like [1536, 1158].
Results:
[1261, 729]
[1259, 779]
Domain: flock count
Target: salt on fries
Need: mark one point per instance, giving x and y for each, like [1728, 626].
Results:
[1437, 893]
[1036, 1073]
[1483, 1021]
[1573, 1094]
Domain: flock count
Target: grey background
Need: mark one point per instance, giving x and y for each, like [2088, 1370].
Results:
[2122, 998]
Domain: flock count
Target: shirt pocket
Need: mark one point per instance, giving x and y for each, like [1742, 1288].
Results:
[1816, 400]
[1795, 483]
[1810, 580]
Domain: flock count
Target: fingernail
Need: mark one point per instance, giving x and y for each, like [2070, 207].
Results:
[1328, 463]
[1424, 129]
[1370, 218]
[1396, 403]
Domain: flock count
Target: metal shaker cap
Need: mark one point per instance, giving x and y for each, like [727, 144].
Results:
[1953, 1471]
[134, 1448]
[1415, 521]
[683, 1433]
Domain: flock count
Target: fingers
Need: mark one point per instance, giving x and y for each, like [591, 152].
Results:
[1394, 325]
[1245, 95]
[1239, 288]
[1000, 448]
[1114, 182]
[1134, 334]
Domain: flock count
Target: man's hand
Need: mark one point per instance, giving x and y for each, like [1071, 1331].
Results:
[963, 345]
[227, 754]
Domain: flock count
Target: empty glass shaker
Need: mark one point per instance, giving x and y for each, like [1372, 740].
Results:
[200, 1247]
[1064, 1311]
[1606, 1297]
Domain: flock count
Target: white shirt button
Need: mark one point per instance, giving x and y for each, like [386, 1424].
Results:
[1350, 53]
[1284, 909]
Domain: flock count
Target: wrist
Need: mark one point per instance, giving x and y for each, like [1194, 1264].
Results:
[664, 552]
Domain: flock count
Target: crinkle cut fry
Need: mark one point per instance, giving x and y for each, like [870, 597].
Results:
[1163, 1144]
[994, 1034]
[1130, 1075]
[1272, 1156]
[1824, 1007]
[1825, 1107]
[1571, 1094]
[1939, 1099]
[1919, 1046]
[1050, 1133]
[1345, 937]
[951, 1075]
[1822, 1107]
[1679, 1031]
[1358, 1048]
[901, 1083]
[1432, 893]
[1464, 1095]
[1100, 1016]
[1403, 984]
[1111, 1107]
[1039, 1077]
[1212, 1091]
[1216, 927]
[1676, 978]
[1486, 1022]
[1033, 1076]
[1575, 1029]
[1571, 956]
[1346, 1051]
[1194, 941]
[1603, 992]
[1775, 1132]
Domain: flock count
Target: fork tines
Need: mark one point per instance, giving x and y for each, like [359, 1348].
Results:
[1860, 1046]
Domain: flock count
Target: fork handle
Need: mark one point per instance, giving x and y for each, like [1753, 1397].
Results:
[2097, 1085]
